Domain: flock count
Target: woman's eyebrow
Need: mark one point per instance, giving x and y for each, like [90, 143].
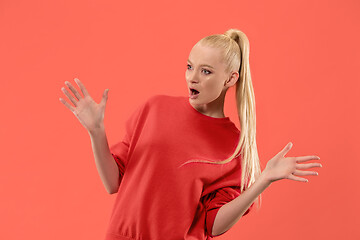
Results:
[204, 65]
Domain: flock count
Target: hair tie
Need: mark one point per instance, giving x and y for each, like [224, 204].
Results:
[227, 36]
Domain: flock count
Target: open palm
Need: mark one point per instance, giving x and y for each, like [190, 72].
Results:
[281, 167]
[88, 112]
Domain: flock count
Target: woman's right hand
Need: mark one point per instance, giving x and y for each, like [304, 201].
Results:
[89, 113]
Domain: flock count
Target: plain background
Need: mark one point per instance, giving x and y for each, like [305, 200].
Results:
[304, 59]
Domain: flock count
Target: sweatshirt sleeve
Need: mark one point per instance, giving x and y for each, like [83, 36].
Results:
[120, 150]
[215, 200]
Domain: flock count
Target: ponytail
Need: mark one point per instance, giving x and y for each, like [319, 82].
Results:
[236, 47]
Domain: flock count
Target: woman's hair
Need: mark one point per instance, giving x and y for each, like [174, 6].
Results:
[235, 47]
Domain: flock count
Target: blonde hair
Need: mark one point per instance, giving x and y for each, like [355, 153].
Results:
[235, 46]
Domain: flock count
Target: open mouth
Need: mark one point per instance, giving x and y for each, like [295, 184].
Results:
[194, 91]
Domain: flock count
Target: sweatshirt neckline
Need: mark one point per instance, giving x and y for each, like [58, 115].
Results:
[203, 116]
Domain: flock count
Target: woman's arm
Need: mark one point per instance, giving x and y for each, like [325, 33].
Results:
[91, 116]
[279, 167]
[230, 213]
[105, 163]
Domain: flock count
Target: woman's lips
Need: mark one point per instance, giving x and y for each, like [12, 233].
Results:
[193, 89]
[192, 95]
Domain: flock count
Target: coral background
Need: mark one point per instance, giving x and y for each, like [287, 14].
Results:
[304, 59]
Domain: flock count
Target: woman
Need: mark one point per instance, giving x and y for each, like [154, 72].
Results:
[183, 170]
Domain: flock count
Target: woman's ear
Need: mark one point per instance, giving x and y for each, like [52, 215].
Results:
[234, 76]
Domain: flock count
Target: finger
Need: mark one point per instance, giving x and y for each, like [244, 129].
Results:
[104, 97]
[304, 173]
[72, 99]
[67, 105]
[286, 149]
[75, 92]
[308, 165]
[306, 158]
[82, 87]
[292, 177]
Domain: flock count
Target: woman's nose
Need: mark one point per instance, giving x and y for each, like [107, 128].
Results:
[191, 76]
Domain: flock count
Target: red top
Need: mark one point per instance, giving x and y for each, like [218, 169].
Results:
[157, 199]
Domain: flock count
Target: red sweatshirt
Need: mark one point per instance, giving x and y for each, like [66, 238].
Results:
[157, 199]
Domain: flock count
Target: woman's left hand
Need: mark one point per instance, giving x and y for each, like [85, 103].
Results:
[281, 167]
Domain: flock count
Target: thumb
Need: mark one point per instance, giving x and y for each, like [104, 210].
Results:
[104, 97]
[286, 149]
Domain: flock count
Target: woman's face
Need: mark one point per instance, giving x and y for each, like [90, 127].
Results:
[206, 73]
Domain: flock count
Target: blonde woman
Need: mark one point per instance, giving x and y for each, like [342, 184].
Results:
[183, 170]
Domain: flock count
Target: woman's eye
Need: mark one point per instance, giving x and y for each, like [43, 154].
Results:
[207, 72]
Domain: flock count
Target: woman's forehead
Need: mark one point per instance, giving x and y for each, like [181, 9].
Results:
[202, 54]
